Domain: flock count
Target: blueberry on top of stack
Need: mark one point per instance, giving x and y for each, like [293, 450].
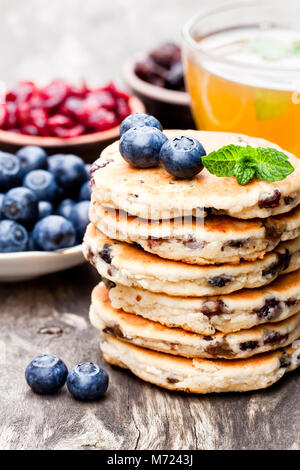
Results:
[44, 201]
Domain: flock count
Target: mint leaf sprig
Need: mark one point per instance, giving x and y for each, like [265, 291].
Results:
[245, 163]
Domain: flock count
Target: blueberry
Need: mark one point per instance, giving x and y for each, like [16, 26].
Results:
[1, 203]
[139, 120]
[20, 204]
[31, 245]
[13, 237]
[46, 374]
[85, 192]
[87, 381]
[45, 209]
[80, 218]
[53, 233]
[10, 171]
[87, 167]
[65, 208]
[32, 158]
[69, 171]
[140, 146]
[43, 184]
[182, 156]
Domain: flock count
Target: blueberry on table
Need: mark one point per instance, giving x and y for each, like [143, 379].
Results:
[20, 204]
[182, 157]
[140, 146]
[80, 218]
[46, 374]
[85, 192]
[10, 171]
[65, 208]
[45, 209]
[139, 120]
[69, 171]
[43, 184]
[53, 233]
[31, 158]
[87, 381]
[13, 237]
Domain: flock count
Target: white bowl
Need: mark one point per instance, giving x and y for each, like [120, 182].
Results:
[31, 264]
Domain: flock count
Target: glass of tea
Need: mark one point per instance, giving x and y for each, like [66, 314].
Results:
[242, 69]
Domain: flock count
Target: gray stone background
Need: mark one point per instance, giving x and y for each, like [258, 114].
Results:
[44, 39]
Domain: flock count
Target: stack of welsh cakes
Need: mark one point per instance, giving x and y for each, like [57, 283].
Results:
[200, 278]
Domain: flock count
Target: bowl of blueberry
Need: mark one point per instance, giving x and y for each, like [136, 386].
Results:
[63, 117]
[44, 203]
[157, 79]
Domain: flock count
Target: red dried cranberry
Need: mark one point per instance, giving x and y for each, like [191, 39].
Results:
[30, 129]
[38, 118]
[11, 119]
[67, 133]
[60, 120]
[3, 114]
[122, 109]
[22, 92]
[100, 99]
[101, 119]
[54, 94]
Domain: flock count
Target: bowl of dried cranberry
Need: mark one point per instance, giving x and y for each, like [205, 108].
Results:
[157, 79]
[64, 118]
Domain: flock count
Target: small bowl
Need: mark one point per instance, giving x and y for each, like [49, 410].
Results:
[171, 107]
[28, 265]
[87, 146]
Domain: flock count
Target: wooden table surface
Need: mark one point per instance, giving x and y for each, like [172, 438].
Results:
[50, 315]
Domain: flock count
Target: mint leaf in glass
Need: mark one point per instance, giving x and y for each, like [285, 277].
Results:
[269, 49]
[270, 104]
[296, 48]
[245, 163]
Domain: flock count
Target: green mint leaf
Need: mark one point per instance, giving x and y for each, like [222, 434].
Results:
[270, 104]
[245, 163]
[269, 49]
[244, 171]
[296, 48]
[222, 161]
[272, 165]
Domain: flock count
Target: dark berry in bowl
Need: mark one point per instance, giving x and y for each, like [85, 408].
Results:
[85, 192]
[45, 209]
[166, 55]
[139, 120]
[10, 171]
[13, 237]
[80, 218]
[46, 374]
[69, 171]
[53, 233]
[65, 208]
[32, 158]
[182, 157]
[140, 146]
[20, 204]
[43, 184]
[87, 381]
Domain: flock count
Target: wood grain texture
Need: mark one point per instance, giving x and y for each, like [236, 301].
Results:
[133, 414]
